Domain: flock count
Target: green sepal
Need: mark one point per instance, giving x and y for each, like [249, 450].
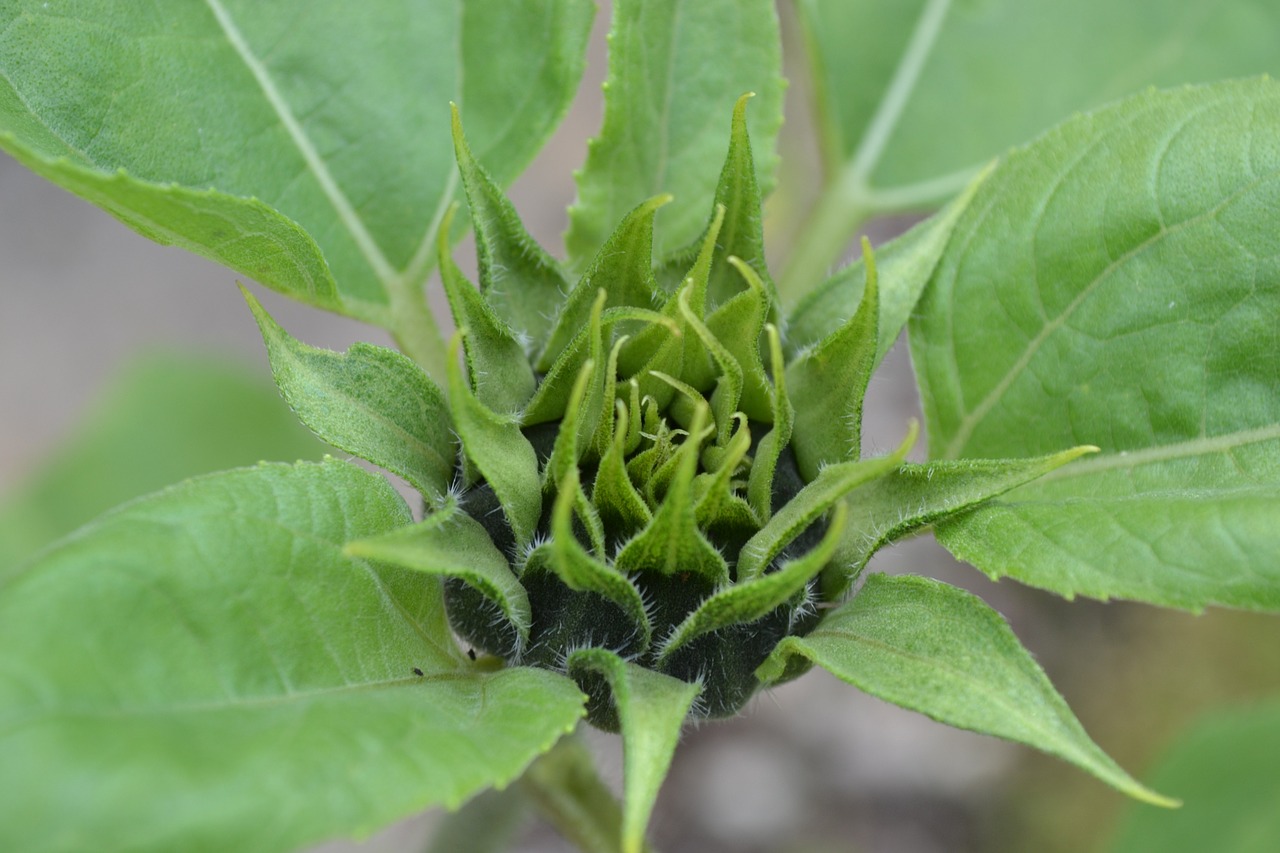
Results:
[674, 350]
[832, 484]
[452, 544]
[562, 466]
[739, 323]
[902, 501]
[498, 449]
[497, 364]
[827, 385]
[930, 647]
[568, 447]
[719, 509]
[672, 543]
[582, 572]
[522, 283]
[621, 268]
[370, 401]
[748, 601]
[603, 438]
[651, 709]
[727, 395]
[765, 465]
[549, 402]
[613, 494]
[742, 233]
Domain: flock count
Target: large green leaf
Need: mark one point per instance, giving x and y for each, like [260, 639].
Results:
[1117, 283]
[939, 650]
[165, 417]
[915, 95]
[1225, 770]
[976, 78]
[676, 68]
[203, 669]
[305, 145]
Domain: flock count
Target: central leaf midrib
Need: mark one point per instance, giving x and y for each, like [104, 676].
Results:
[346, 213]
[1203, 446]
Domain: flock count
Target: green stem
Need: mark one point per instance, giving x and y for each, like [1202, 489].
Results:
[566, 789]
[847, 201]
[415, 330]
[840, 210]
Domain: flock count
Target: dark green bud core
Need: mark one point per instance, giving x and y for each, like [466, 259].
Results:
[722, 661]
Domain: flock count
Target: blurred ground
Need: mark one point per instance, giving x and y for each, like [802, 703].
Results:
[814, 767]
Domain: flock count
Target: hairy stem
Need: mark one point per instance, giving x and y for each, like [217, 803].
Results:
[415, 330]
[847, 201]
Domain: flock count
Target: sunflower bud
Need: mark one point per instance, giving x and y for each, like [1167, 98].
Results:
[632, 452]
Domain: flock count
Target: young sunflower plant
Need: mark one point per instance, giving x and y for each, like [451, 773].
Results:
[642, 497]
[629, 483]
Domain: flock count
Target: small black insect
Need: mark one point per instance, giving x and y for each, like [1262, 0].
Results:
[417, 671]
[471, 653]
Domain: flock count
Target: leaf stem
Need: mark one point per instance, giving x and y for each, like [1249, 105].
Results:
[566, 789]
[415, 330]
[848, 201]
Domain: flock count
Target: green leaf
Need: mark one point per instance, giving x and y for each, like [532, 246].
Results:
[452, 544]
[651, 709]
[1225, 770]
[903, 268]
[204, 669]
[164, 417]
[309, 151]
[932, 648]
[937, 88]
[942, 87]
[826, 386]
[675, 69]
[1115, 284]
[906, 499]
[370, 401]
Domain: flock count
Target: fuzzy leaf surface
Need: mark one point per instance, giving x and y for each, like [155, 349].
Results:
[990, 75]
[939, 650]
[676, 68]
[165, 417]
[1116, 283]
[370, 401]
[203, 669]
[306, 148]
[651, 710]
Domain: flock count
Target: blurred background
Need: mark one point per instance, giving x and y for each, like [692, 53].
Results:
[96, 321]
